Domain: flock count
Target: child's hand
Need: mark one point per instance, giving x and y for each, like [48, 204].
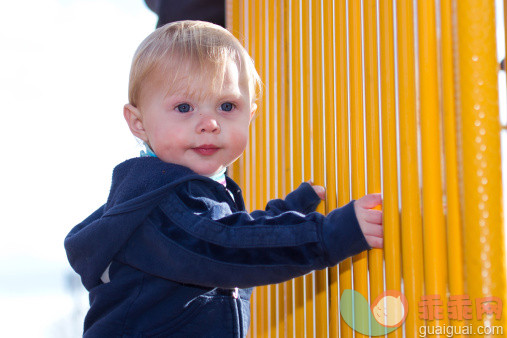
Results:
[370, 220]
[319, 190]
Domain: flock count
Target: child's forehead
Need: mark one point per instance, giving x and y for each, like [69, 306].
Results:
[197, 80]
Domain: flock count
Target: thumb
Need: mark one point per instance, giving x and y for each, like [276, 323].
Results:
[370, 201]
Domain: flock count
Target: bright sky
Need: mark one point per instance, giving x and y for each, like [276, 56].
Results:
[64, 68]
[63, 81]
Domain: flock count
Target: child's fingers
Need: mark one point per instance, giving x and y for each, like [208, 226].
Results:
[370, 201]
[373, 216]
[374, 230]
[320, 191]
[375, 242]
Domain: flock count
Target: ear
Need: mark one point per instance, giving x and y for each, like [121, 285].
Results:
[134, 120]
[252, 111]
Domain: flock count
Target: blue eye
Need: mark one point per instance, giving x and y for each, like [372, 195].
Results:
[227, 106]
[184, 108]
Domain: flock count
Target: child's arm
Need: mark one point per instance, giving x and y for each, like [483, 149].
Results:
[190, 240]
[304, 199]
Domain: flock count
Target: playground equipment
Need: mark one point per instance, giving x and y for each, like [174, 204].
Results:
[398, 97]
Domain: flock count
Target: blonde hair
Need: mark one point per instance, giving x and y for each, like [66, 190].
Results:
[178, 48]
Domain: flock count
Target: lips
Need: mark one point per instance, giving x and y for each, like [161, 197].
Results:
[206, 149]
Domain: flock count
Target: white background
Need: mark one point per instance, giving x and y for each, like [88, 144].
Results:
[63, 81]
[64, 68]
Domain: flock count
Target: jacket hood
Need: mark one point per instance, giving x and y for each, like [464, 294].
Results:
[137, 185]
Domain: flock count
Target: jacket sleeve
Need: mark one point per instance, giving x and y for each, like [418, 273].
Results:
[304, 200]
[201, 241]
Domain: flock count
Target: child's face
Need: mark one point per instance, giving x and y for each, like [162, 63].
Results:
[204, 133]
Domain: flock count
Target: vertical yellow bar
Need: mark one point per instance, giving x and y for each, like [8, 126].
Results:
[454, 224]
[232, 18]
[257, 157]
[283, 43]
[375, 256]
[434, 233]
[342, 150]
[413, 274]
[479, 148]
[360, 261]
[230, 15]
[392, 234]
[307, 130]
[250, 160]
[270, 131]
[330, 147]
[297, 138]
[318, 134]
[261, 134]
[233, 14]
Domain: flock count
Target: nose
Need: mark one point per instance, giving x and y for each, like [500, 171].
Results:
[207, 124]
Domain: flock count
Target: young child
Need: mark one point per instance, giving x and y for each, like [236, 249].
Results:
[173, 253]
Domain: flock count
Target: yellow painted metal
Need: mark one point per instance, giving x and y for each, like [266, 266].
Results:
[297, 138]
[479, 148]
[233, 25]
[371, 77]
[434, 233]
[330, 151]
[249, 160]
[307, 141]
[392, 233]
[318, 134]
[360, 261]
[411, 221]
[232, 17]
[282, 136]
[342, 139]
[270, 134]
[453, 217]
[259, 195]
[303, 101]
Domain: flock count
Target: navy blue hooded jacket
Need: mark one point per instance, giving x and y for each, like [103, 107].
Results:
[176, 245]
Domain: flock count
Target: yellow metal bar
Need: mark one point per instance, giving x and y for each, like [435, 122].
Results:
[342, 150]
[232, 17]
[242, 12]
[392, 233]
[284, 78]
[282, 146]
[360, 261]
[454, 224]
[330, 128]
[481, 185]
[233, 14]
[250, 163]
[268, 22]
[318, 134]
[375, 256]
[307, 124]
[434, 233]
[257, 33]
[297, 137]
[413, 274]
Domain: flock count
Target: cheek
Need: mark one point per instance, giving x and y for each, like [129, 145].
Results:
[169, 133]
[238, 139]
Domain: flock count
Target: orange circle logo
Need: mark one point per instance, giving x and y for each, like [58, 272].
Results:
[390, 308]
